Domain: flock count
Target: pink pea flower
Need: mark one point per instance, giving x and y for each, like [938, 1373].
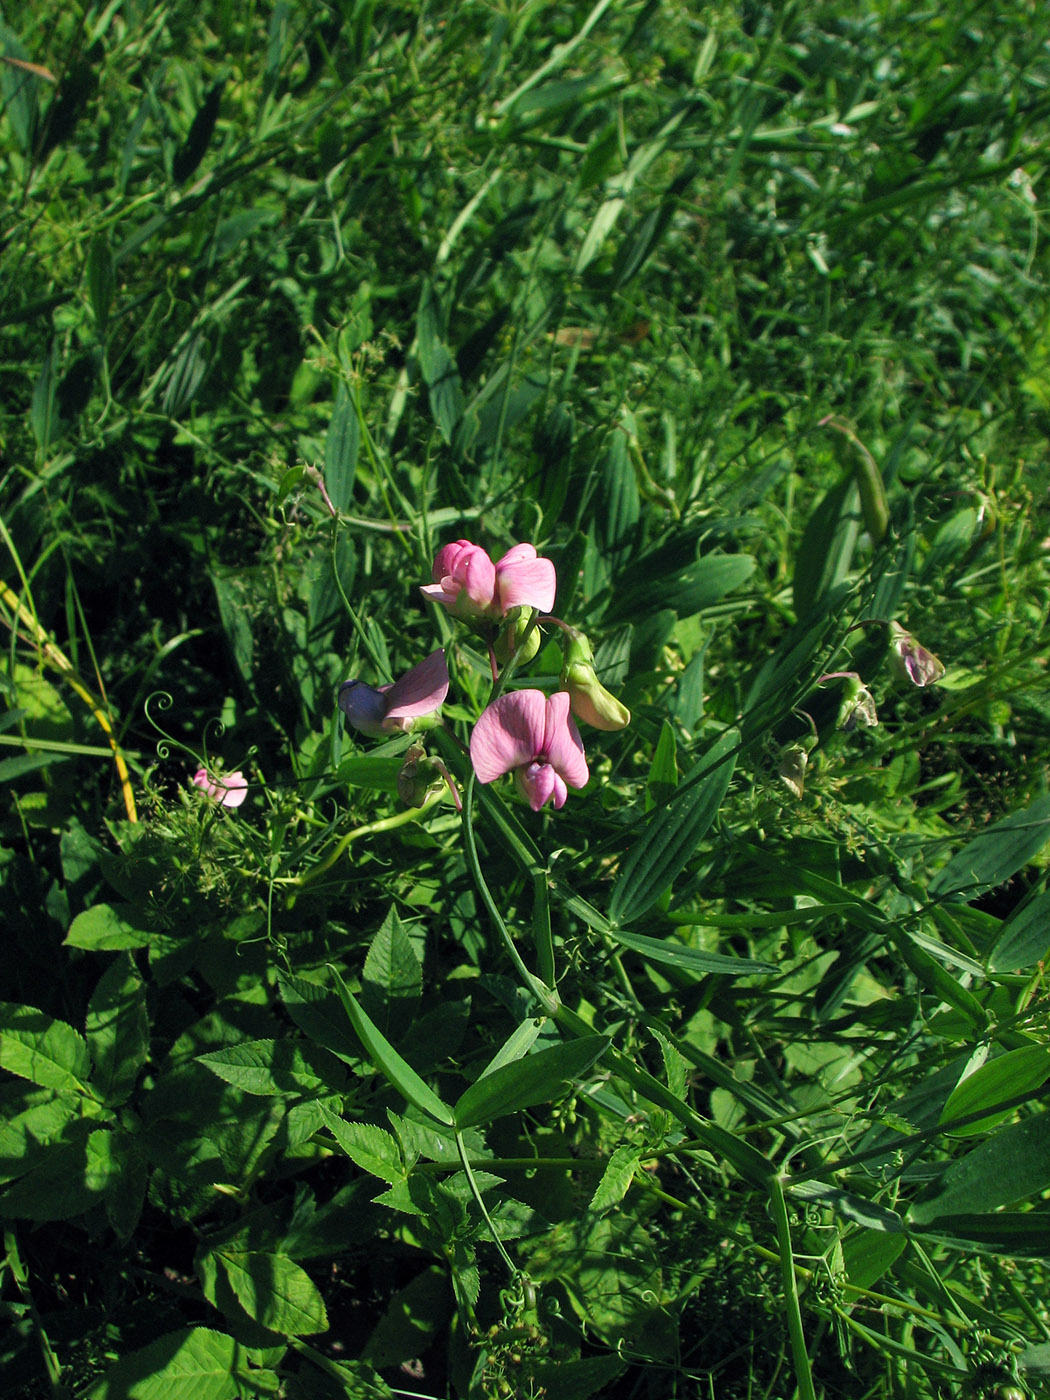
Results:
[535, 738]
[910, 660]
[469, 585]
[407, 704]
[229, 791]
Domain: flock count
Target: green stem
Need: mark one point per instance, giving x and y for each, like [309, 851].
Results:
[461, 1147]
[803, 1372]
[410, 814]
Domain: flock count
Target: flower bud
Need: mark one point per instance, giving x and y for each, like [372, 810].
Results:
[910, 661]
[589, 699]
[420, 777]
[858, 706]
[508, 643]
[792, 768]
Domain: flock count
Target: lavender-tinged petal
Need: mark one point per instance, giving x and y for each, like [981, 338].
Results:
[529, 583]
[562, 744]
[538, 783]
[364, 706]
[508, 734]
[419, 691]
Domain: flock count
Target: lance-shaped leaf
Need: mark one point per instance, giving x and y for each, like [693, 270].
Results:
[534, 1079]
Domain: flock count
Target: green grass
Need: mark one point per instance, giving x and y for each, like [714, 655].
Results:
[768, 996]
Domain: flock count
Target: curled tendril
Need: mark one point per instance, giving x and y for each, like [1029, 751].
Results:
[160, 700]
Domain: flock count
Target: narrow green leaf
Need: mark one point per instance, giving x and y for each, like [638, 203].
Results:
[670, 951]
[342, 444]
[1019, 1235]
[389, 1063]
[1009, 1076]
[663, 771]
[39, 1048]
[1012, 1165]
[101, 279]
[671, 833]
[274, 1291]
[825, 551]
[995, 854]
[849, 1205]
[536, 1078]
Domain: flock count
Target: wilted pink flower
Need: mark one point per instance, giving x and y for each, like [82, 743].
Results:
[229, 791]
[469, 585]
[397, 708]
[535, 738]
[910, 661]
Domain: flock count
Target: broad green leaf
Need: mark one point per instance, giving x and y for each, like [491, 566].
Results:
[318, 1013]
[68, 1179]
[38, 1047]
[536, 1078]
[274, 1291]
[388, 1062]
[867, 1254]
[1012, 1165]
[848, 1204]
[995, 854]
[616, 1179]
[373, 1149]
[675, 954]
[392, 980]
[518, 1043]
[118, 1030]
[411, 1318]
[30, 1118]
[341, 447]
[282, 1068]
[108, 928]
[1024, 939]
[663, 771]
[1015, 1074]
[194, 1361]
[672, 832]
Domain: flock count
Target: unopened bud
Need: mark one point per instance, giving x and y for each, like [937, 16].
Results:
[509, 642]
[792, 768]
[420, 777]
[588, 698]
[858, 707]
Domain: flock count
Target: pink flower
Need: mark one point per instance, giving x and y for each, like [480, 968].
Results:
[469, 585]
[397, 708]
[229, 790]
[537, 739]
[910, 660]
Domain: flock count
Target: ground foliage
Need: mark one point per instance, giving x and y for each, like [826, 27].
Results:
[762, 1010]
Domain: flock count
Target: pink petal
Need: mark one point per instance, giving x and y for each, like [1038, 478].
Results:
[437, 594]
[562, 744]
[476, 573]
[524, 580]
[446, 559]
[539, 783]
[419, 691]
[234, 788]
[509, 733]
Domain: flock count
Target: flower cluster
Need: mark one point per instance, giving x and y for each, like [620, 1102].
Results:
[523, 732]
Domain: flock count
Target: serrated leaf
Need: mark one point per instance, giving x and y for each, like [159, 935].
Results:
[282, 1068]
[373, 1149]
[42, 1049]
[274, 1291]
[672, 832]
[535, 1079]
[118, 1030]
[69, 1179]
[195, 1361]
[392, 979]
[616, 1179]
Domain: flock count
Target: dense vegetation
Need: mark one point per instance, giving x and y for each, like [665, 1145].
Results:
[722, 1073]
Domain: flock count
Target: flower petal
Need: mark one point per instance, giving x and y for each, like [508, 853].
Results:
[562, 744]
[539, 784]
[524, 580]
[364, 706]
[234, 787]
[419, 691]
[508, 733]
